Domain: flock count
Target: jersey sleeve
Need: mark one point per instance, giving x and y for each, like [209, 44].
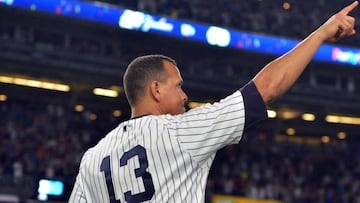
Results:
[255, 108]
[203, 131]
[77, 194]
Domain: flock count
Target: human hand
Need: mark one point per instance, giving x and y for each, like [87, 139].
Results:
[339, 25]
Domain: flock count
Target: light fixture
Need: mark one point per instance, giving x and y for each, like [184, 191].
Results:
[308, 117]
[117, 113]
[290, 131]
[105, 92]
[341, 135]
[331, 118]
[3, 97]
[79, 108]
[271, 113]
[325, 139]
[35, 83]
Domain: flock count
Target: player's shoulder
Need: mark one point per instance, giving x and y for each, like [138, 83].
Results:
[152, 119]
[107, 137]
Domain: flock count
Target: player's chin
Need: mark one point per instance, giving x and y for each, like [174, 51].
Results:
[181, 110]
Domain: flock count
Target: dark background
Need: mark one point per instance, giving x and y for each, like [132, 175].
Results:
[41, 130]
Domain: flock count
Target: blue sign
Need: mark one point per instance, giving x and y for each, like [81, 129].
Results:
[212, 35]
[49, 187]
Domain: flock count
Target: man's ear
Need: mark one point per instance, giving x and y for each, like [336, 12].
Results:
[155, 90]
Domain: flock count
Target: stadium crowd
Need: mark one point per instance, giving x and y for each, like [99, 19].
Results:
[263, 166]
[48, 142]
[294, 19]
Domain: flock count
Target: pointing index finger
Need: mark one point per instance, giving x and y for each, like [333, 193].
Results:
[349, 8]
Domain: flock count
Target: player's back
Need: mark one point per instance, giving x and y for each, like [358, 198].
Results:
[159, 158]
[138, 161]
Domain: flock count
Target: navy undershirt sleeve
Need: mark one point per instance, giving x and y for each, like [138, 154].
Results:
[255, 108]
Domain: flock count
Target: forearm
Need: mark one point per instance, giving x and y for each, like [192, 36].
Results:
[279, 75]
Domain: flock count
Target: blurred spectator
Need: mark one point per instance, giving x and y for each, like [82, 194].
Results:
[49, 142]
[288, 19]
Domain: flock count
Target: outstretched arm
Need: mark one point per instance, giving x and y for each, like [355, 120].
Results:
[279, 75]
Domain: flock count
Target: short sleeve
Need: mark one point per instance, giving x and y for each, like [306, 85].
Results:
[255, 108]
[77, 194]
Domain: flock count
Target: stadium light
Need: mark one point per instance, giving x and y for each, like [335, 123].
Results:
[271, 113]
[308, 117]
[79, 108]
[117, 113]
[34, 83]
[105, 92]
[290, 131]
[3, 97]
[341, 135]
[288, 114]
[325, 139]
[331, 118]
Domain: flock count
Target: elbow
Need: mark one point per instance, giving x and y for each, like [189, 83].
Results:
[269, 90]
[272, 93]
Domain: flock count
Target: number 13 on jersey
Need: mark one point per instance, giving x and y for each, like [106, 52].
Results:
[138, 152]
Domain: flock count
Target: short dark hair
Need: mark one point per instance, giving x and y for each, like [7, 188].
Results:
[140, 72]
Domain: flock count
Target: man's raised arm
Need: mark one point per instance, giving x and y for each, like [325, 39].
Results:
[279, 75]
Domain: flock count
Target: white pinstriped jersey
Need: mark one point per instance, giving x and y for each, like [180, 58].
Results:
[159, 158]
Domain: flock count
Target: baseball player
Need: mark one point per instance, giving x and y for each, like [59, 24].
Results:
[164, 154]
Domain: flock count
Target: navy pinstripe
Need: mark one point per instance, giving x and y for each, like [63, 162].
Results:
[179, 153]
